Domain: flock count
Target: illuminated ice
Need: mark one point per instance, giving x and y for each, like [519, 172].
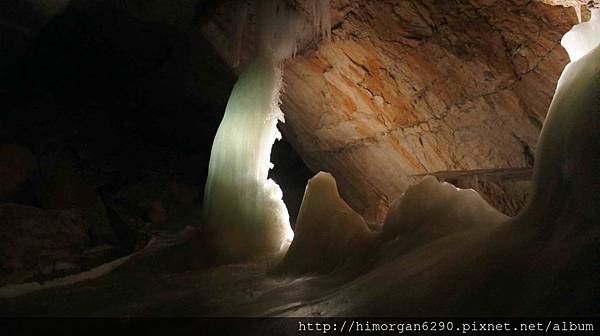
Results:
[244, 211]
[443, 251]
[430, 210]
[584, 37]
[330, 236]
[565, 173]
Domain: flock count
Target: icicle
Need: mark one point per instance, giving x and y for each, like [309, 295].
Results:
[321, 19]
[277, 30]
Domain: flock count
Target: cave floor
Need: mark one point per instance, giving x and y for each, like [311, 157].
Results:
[163, 283]
[497, 271]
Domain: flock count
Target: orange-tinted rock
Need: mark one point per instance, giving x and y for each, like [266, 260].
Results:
[413, 87]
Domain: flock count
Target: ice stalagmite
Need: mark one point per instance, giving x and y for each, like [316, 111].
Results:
[330, 236]
[244, 211]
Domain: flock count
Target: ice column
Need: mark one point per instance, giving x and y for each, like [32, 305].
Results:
[583, 38]
[565, 174]
[244, 213]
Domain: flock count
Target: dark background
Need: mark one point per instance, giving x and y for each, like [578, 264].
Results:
[115, 116]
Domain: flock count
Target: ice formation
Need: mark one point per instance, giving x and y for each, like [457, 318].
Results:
[443, 251]
[565, 177]
[431, 210]
[244, 211]
[330, 236]
[584, 37]
[14, 290]
[321, 18]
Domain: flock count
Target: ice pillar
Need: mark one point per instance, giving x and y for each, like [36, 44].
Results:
[244, 214]
[566, 178]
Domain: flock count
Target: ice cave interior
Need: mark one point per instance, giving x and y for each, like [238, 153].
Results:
[300, 158]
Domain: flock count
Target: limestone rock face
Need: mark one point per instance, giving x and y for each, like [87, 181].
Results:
[408, 88]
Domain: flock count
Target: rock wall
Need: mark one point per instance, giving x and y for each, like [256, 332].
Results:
[407, 88]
